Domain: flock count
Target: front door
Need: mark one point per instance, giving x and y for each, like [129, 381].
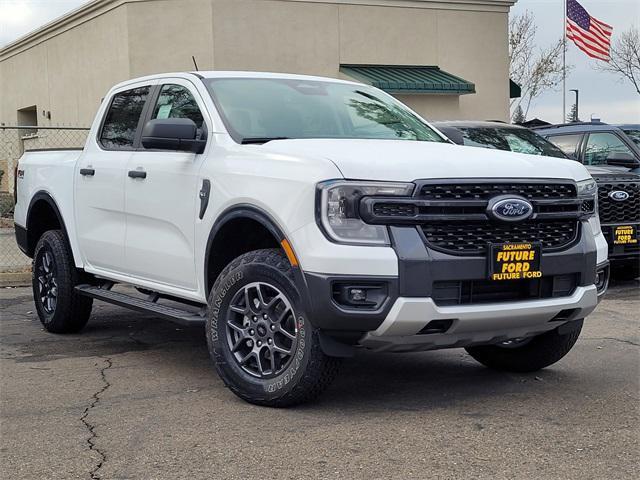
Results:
[162, 207]
[100, 180]
[602, 144]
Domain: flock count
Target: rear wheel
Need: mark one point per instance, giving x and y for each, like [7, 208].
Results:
[54, 277]
[264, 348]
[528, 354]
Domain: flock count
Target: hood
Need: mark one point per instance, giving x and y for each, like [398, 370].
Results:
[405, 161]
[604, 170]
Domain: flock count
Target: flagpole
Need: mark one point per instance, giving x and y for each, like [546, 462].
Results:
[564, 63]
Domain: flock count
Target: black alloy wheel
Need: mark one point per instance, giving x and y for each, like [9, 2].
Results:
[261, 329]
[47, 282]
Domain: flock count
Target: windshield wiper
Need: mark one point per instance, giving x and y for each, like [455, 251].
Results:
[249, 140]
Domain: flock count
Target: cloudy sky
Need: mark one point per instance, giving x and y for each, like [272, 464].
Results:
[601, 94]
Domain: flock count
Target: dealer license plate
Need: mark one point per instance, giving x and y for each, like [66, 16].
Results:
[515, 261]
[624, 235]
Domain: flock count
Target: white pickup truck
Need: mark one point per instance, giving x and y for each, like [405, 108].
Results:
[301, 218]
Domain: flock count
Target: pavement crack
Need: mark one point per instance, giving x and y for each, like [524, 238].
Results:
[84, 418]
[617, 340]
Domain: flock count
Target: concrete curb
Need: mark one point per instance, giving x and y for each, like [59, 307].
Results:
[15, 279]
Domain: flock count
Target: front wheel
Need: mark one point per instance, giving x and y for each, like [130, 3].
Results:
[526, 355]
[264, 348]
[54, 278]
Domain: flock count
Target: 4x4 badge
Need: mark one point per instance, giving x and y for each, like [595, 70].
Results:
[618, 195]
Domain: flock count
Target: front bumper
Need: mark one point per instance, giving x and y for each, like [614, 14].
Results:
[475, 324]
[411, 297]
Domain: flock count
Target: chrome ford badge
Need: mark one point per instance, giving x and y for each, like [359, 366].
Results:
[618, 195]
[511, 209]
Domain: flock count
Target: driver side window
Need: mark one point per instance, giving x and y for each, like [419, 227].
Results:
[176, 101]
[601, 145]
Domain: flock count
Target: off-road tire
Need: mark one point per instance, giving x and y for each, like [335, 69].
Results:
[310, 371]
[71, 311]
[540, 352]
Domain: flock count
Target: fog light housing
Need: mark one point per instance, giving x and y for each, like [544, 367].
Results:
[369, 295]
[602, 279]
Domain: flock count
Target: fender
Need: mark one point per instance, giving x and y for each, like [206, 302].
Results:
[240, 211]
[265, 219]
[46, 197]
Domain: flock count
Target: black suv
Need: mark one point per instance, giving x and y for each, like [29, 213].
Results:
[618, 182]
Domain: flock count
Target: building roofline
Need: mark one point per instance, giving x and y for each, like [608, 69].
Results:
[96, 8]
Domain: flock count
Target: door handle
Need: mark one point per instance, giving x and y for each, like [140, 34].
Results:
[87, 172]
[137, 174]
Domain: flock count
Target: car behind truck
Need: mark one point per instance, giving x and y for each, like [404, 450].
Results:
[302, 218]
[617, 178]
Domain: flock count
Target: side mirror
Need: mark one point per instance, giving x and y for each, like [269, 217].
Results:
[622, 160]
[172, 134]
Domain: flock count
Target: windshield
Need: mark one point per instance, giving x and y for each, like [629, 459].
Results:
[518, 140]
[633, 134]
[256, 110]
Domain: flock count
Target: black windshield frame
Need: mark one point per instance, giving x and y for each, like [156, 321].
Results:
[633, 134]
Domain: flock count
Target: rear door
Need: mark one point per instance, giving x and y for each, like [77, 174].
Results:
[162, 207]
[100, 178]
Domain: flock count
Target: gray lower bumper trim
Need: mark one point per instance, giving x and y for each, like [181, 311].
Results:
[473, 324]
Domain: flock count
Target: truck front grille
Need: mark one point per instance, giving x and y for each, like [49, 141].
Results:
[484, 191]
[472, 238]
[612, 211]
[452, 214]
[468, 292]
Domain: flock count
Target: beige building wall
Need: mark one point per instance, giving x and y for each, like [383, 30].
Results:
[67, 67]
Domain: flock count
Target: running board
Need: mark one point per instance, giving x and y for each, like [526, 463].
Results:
[182, 317]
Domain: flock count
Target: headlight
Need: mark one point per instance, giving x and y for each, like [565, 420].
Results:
[338, 208]
[588, 193]
[587, 188]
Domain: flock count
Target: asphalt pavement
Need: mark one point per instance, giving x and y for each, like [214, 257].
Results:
[136, 397]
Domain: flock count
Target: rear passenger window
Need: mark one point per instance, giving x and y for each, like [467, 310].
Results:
[175, 101]
[121, 121]
[567, 143]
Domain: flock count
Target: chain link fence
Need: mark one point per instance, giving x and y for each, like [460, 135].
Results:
[14, 141]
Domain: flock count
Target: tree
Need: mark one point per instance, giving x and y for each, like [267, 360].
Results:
[572, 116]
[518, 115]
[625, 58]
[534, 69]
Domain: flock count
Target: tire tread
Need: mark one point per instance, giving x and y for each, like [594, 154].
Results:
[321, 369]
[72, 310]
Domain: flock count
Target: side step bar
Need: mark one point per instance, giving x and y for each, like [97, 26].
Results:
[182, 317]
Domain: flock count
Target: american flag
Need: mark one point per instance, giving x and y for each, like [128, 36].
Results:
[590, 35]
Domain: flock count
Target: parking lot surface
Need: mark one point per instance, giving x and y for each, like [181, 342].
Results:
[134, 396]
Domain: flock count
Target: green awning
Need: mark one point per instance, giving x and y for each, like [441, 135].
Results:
[409, 79]
[514, 89]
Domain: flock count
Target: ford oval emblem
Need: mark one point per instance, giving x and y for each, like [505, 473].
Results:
[511, 209]
[618, 195]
